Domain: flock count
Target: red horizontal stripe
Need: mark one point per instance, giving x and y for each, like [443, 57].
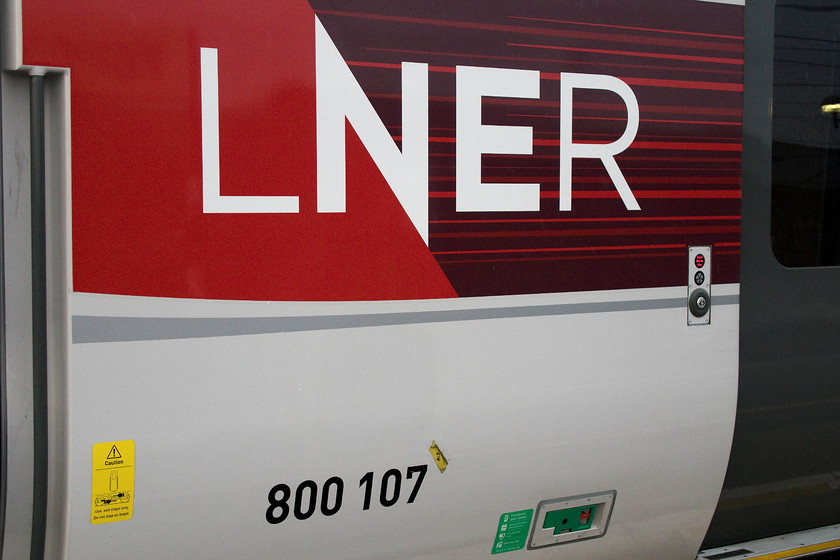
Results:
[659, 194]
[685, 137]
[518, 29]
[599, 167]
[572, 220]
[732, 47]
[652, 194]
[675, 159]
[680, 84]
[592, 232]
[685, 84]
[567, 258]
[686, 57]
[606, 180]
[587, 63]
[647, 29]
[562, 249]
[689, 146]
[676, 109]
[395, 66]
[664, 121]
[607, 137]
[693, 146]
[621, 158]
[673, 109]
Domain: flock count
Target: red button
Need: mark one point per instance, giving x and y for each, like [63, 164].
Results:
[699, 260]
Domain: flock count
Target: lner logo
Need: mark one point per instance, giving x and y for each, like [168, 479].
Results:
[339, 97]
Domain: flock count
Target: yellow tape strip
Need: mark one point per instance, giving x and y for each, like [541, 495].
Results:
[793, 553]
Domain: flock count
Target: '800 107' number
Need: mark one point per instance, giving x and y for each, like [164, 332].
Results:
[304, 502]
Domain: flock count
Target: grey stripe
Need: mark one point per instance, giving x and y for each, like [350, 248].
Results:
[88, 328]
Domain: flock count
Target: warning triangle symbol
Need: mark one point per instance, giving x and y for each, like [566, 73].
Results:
[114, 453]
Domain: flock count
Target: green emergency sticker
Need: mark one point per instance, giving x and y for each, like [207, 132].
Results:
[513, 531]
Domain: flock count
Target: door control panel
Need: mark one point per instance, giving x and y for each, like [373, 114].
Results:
[571, 519]
[699, 285]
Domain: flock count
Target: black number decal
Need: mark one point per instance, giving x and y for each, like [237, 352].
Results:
[383, 489]
[367, 482]
[338, 484]
[299, 503]
[306, 495]
[275, 503]
[420, 469]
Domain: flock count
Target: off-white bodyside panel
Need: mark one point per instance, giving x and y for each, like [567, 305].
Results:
[530, 398]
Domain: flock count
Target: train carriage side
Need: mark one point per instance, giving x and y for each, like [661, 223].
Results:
[300, 279]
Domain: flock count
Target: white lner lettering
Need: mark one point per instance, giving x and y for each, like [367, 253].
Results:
[214, 202]
[605, 152]
[339, 96]
[473, 139]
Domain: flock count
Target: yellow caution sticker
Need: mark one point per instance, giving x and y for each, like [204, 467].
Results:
[437, 454]
[113, 482]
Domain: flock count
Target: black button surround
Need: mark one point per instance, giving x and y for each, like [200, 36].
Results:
[699, 302]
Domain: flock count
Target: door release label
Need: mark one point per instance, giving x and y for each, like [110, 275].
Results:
[513, 530]
[112, 482]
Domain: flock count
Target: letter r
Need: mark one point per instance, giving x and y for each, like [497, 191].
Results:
[605, 152]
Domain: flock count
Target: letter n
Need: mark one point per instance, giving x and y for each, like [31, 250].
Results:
[340, 96]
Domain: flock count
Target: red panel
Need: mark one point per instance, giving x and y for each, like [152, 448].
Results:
[138, 225]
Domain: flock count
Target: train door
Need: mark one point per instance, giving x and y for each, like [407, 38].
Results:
[784, 472]
[390, 280]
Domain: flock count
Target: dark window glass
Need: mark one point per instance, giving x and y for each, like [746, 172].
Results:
[805, 209]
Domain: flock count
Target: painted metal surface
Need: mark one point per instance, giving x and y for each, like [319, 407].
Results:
[789, 391]
[283, 371]
[137, 73]
[18, 327]
[218, 422]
